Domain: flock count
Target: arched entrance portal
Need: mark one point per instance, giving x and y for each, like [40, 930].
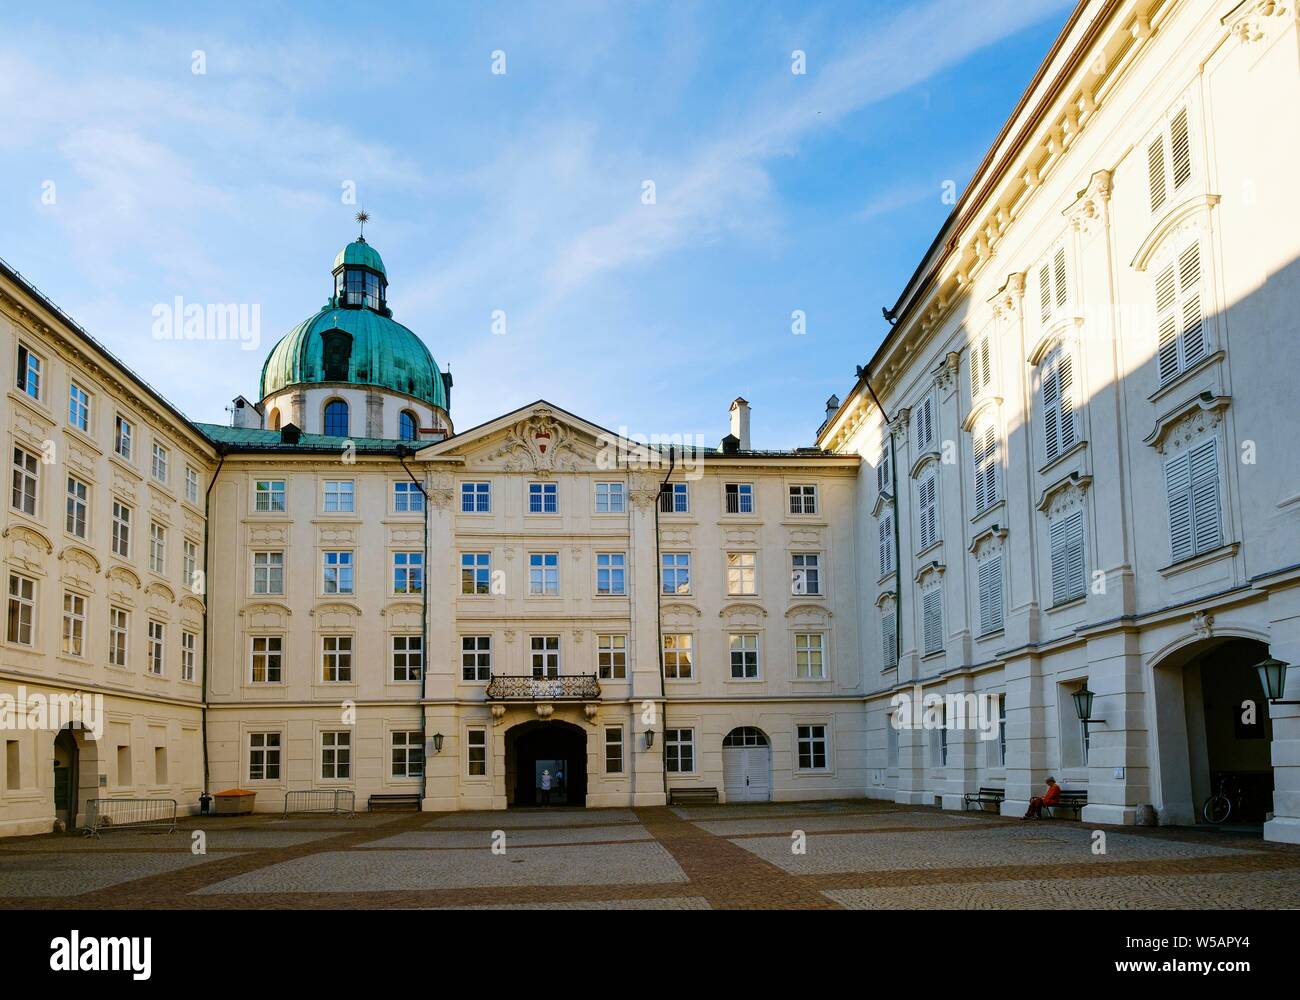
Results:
[538, 751]
[747, 765]
[76, 775]
[1213, 723]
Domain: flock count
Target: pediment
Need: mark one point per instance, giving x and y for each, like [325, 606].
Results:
[122, 575]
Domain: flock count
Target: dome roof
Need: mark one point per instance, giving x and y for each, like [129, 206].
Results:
[362, 253]
[383, 354]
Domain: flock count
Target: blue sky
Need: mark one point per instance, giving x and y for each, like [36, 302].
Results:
[522, 192]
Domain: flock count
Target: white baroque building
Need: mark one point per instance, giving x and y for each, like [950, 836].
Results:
[1066, 466]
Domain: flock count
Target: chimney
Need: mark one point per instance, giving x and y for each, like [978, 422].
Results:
[832, 405]
[245, 414]
[740, 422]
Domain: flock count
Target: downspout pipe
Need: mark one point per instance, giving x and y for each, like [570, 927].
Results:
[222, 451]
[659, 618]
[403, 453]
[898, 513]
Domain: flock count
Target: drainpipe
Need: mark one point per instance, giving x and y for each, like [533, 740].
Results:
[403, 452]
[659, 619]
[898, 513]
[207, 575]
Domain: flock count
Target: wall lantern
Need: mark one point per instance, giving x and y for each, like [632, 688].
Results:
[1272, 674]
[649, 738]
[1083, 705]
[437, 742]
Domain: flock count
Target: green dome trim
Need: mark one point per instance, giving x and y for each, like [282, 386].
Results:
[384, 354]
[362, 253]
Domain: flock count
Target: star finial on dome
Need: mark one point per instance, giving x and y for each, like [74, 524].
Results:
[363, 217]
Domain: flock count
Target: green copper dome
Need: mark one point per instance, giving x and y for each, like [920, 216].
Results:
[362, 253]
[355, 343]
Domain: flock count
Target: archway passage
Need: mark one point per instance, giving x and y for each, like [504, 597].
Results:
[1215, 731]
[66, 761]
[550, 753]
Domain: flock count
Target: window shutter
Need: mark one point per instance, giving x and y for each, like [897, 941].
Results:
[1044, 293]
[888, 638]
[1167, 323]
[1178, 481]
[1051, 414]
[932, 618]
[929, 523]
[1156, 172]
[986, 482]
[1058, 408]
[882, 472]
[980, 371]
[981, 498]
[1077, 570]
[1180, 149]
[1203, 463]
[886, 542]
[1058, 266]
[1066, 544]
[1189, 274]
[990, 587]
[924, 424]
[1065, 389]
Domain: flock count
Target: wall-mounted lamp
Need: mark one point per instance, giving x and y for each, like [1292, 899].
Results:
[437, 742]
[1272, 674]
[1083, 706]
[649, 738]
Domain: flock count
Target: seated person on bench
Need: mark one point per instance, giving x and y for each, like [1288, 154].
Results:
[1048, 798]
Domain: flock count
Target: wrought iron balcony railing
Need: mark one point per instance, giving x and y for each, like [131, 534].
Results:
[513, 687]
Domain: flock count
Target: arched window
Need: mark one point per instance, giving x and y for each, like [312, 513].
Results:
[275, 419]
[336, 418]
[336, 355]
[745, 736]
[407, 425]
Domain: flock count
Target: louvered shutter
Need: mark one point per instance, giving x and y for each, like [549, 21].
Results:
[888, 638]
[924, 424]
[1065, 397]
[932, 619]
[883, 477]
[886, 542]
[1045, 293]
[1058, 270]
[1076, 567]
[1204, 470]
[1167, 323]
[1051, 410]
[928, 519]
[1180, 150]
[1189, 294]
[1066, 544]
[990, 595]
[1156, 172]
[1178, 481]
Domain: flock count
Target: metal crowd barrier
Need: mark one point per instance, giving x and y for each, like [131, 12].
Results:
[132, 814]
[336, 801]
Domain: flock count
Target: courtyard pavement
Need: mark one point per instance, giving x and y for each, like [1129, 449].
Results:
[809, 855]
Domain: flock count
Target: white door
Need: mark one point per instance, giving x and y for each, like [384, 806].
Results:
[746, 773]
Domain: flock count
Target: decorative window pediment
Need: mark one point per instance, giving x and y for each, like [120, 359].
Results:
[1186, 424]
[988, 542]
[1064, 494]
[929, 574]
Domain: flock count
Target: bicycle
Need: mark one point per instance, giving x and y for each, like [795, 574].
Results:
[1221, 805]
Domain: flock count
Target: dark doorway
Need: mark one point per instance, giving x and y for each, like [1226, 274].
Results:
[546, 753]
[66, 760]
[1238, 731]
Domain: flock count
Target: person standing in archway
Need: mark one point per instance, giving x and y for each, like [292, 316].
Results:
[546, 786]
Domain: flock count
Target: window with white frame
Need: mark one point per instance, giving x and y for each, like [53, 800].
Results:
[1169, 160]
[927, 491]
[676, 572]
[408, 754]
[1056, 389]
[157, 647]
[544, 651]
[74, 624]
[264, 756]
[679, 751]
[1180, 324]
[543, 498]
[981, 367]
[1192, 486]
[26, 479]
[158, 466]
[803, 499]
[336, 659]
[942, 735]
[408, 572]
[990, 594]
[119, 630]
[611, 498]
[812, 747]
[1002, 730]
[1065, 542]
[678, 655]
[741, 573]
[674, 498]
[268, 495]
[744, 656]
[613, 749]
[932, 619]
[340, 496]
[268, 572]
[78, 407]
[336, 755]
[190, 565]
[611, 657]
[805, 573]
[925, 424]
[611, 574]
[157, 547]
[189, 652]
[476, 752]
[1053, 286]
[885, 470]
[74, 522]
[985, 447]
[336, 572]
[29, 370]
[739, 498]
[191, 484]
[475, 658]
[809, 656]
[122, 434]
[21, 617]
[266, 659]
[475, 573]
[888, 636]
[408, 498]
[121, 535]
[408, 657]
[476, 498]
[543, 574]
[885, 535]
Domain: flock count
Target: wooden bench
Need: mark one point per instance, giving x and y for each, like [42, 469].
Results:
[1075, 800]
[692, 796]
[984, 797]
[397, 800]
